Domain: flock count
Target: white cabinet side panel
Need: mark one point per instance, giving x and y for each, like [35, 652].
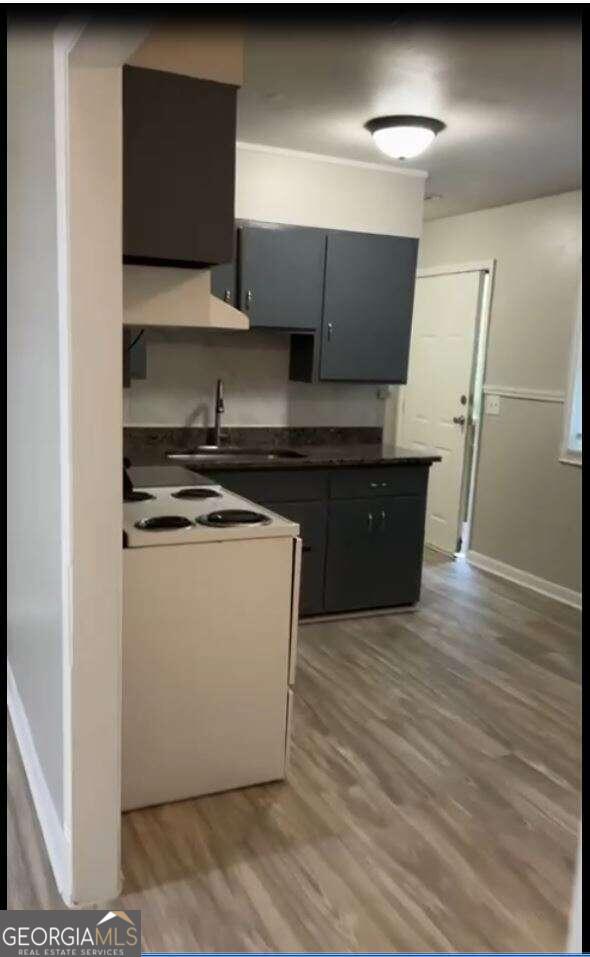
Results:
[295, 609]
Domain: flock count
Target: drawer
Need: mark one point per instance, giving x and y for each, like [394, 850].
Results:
[270, 485]
[381, 481]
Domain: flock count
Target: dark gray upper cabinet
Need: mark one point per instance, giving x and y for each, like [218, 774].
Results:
[224, 277]
[224, 282]
[178, 169]
[368, 299]
[281, 275]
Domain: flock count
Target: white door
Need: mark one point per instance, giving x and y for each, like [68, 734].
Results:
[436, 402]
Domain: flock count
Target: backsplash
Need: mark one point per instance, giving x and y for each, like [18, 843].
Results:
[184, 364]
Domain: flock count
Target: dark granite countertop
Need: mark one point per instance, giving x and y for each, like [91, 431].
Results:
[319, 448]
[321, 456]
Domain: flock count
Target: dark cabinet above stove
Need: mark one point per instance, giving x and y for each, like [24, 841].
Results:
[179, 144]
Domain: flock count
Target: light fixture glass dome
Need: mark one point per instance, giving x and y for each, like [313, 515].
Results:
[402, 137]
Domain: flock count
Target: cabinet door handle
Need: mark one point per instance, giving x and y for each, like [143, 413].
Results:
[227, 295]
[330, 328]
[306, 548]
[370, 521]
[248, 299]
[383, 517]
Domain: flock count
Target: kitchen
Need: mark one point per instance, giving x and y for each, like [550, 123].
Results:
[267, 323]
[359, 506]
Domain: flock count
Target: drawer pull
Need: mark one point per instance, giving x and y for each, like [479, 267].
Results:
[374, 484]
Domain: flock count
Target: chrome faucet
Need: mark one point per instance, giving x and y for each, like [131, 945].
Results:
[215, 432]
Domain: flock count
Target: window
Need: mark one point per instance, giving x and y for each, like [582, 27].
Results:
[571, 449]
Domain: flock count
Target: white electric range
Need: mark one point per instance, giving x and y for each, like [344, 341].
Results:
[197, 513]
[210, 610]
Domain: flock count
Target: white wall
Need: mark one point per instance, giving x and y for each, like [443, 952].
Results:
[303, 189]
[35, 534]
[285, 187]
[64, 437]
[95, 228]
[528, 504]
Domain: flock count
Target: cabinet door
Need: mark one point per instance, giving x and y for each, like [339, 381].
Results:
[281, 276]
[374, 556]
[368, 298]
[312, 518]
[178, 168]
[224, 282]
[224, 277]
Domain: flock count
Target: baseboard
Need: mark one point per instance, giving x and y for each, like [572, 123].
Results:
[369, 613]
[54, 835]
[565, 595]
[440, 551]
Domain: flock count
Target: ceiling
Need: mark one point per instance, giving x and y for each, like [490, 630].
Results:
[510, 95]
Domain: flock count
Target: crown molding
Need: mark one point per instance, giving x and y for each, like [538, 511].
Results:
[321, 157]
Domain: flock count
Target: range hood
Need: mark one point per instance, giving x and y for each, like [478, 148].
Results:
[158, 296]
[222, 315]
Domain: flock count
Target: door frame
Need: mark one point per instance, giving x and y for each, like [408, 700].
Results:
[469, 482]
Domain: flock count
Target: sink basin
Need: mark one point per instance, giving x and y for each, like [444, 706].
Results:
[232, 452]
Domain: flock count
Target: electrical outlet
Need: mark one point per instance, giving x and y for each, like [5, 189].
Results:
[492, 405]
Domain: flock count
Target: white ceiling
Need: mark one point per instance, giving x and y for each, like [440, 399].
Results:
[509, 94]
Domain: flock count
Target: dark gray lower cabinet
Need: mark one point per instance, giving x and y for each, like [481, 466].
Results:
[311, 517]
[374, 555]
[362, 530]
[276, 490]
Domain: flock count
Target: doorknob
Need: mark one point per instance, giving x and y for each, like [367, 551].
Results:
[459, 419]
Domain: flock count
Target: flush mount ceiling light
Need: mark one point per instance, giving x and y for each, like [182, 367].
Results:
[402, 137]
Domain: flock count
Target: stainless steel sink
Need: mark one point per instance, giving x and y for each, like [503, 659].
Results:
[232, 452]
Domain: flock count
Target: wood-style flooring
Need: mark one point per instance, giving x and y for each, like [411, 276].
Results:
[432, 802]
